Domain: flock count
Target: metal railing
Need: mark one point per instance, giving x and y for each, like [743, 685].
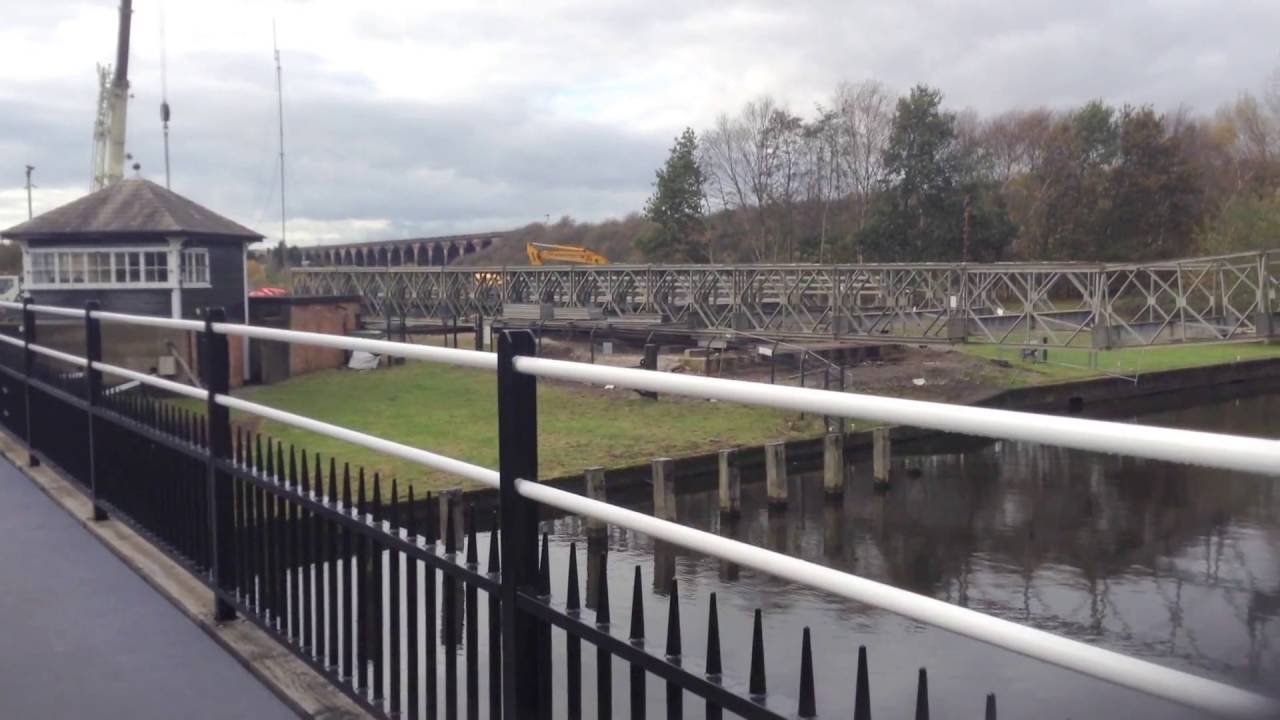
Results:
[350, 582]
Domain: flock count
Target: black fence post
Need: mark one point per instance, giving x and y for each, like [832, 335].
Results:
[28, 363]
[518, 459]
[92, 396]
[215, 369]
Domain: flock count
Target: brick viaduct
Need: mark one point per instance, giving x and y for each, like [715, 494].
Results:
[422, 252]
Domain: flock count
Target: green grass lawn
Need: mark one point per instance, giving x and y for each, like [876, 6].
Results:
[1073, 364]
[453, 411]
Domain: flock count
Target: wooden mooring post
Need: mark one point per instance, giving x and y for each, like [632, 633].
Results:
[664, 489]
[833, 469]
[597, 536]
[664, 508]
[881, 455]
[775, 473]
[730, 483]
[594, 477]
[451, 499]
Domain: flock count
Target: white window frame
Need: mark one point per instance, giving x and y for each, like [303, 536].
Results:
[63, 256]
[197, 274]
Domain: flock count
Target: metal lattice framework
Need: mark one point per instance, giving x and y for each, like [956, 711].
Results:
[1104, 305]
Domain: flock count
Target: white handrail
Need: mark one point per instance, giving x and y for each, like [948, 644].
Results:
[407, 452]
[174, 387]
[448, 356]
[1224, 451]
[55, 310]
[1116, 668]
[57, 355]
[1229, 452]
[149, 320]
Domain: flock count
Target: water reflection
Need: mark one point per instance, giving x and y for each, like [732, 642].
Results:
[1177, 564]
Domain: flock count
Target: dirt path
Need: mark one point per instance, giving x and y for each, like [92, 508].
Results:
[927, 372]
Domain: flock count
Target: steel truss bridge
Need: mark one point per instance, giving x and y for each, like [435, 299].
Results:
[1205, 299]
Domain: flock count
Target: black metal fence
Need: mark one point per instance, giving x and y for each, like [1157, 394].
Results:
[376, 594]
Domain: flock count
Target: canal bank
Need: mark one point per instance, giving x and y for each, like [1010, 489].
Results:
[1105, 397]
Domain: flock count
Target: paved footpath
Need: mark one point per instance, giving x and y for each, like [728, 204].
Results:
[81, 635]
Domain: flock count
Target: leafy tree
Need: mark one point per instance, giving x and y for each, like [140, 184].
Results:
[1153, 195]
[919, 212]
[677, 207]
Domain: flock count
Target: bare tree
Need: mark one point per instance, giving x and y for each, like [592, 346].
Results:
[864, 119]
[754, 168]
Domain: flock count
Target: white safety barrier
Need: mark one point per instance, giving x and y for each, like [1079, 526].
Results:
[448, 356]
[1229, 452]
[1222, 451]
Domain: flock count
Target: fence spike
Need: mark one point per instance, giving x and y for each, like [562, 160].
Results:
[394, 512]
[602, 593]
[279, 461]
[808, 703]
[450, 541]
[573, 603]
[544, 570]
[305, 478]
[473, 558]
[862, 692]
[239, 446]
[257, 452]
[346, 487]
[991, 706]
[410, 516]
[495, 562]
[292, 480]
[317, 484]
[375, 508]
[756, 686]
[637, 612]
[714, 669]
[674, 647]
[922, 696]
[333, 481]
[271, 462]
[429, 526]
[360, 503]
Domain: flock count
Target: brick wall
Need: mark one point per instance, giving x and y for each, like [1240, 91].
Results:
[331, 318]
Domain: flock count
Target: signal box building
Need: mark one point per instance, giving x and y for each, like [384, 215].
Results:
[135, 247]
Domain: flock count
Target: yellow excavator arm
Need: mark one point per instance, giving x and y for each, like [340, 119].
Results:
[542, 253]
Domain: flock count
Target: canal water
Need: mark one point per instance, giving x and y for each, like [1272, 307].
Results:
[1175, 564]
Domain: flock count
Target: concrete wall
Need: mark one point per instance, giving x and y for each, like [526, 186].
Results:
[136, 347]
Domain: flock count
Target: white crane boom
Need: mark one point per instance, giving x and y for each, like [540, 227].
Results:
[113, 109]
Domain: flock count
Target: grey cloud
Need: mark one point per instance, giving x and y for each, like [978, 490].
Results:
[508, 158]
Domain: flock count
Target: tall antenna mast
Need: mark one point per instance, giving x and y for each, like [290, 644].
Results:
[164, 97]
[280, 114]
[29, 186]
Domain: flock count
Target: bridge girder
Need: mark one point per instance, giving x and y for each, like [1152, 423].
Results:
[1059, 304]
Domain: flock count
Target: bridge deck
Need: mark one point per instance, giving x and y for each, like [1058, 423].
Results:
[83, 635]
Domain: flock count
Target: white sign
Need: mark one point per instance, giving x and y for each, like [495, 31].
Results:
[765, 350]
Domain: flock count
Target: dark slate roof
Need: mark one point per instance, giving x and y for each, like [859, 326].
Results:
[132, 207]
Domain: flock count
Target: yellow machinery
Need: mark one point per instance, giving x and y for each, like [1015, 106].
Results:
[542, 253]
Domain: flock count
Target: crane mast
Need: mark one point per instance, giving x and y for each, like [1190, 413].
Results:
[113, 109]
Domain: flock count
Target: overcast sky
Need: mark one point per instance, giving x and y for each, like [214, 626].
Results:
[419, 117]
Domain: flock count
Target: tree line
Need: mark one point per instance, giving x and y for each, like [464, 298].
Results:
[867, 176]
